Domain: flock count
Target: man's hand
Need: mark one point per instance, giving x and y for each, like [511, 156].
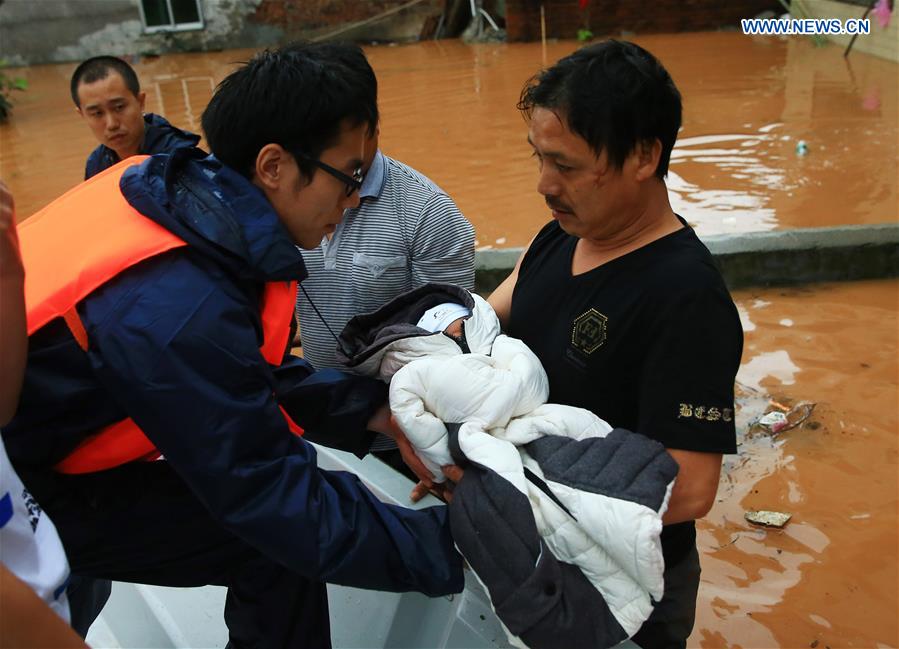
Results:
[10, 259]
[383, 422]
[13, 322]
[409, 457]
[454, 472]
[422, 489]
[443, 490]
[453, 475]
[7, 208]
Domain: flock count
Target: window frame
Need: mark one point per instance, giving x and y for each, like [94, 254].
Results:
[172, 27]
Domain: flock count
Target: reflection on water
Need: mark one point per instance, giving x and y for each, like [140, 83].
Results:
[176, 95]
[732, 210]
[449, 110]
[830, 575]
[775, 364]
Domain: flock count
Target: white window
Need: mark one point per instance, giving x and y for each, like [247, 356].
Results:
[171, 15]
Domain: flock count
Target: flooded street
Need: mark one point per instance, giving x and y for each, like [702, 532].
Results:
[448, 109]
[831, 574]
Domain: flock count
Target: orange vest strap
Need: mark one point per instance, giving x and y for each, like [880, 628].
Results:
[95, 453]
[291, 424]
[278, 307]
[73, 321]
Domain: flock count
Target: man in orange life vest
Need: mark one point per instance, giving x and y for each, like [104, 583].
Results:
[158, 322]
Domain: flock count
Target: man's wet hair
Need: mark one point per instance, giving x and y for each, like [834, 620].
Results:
[99, 67]
[615, 95]
[298, 96]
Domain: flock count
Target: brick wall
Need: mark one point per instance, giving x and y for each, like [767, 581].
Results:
[303, 16]
[564, 17]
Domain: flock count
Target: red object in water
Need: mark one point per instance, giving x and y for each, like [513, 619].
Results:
[583, 3]
[882, 12]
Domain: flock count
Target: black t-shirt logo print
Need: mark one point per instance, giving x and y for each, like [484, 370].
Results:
[588, 332]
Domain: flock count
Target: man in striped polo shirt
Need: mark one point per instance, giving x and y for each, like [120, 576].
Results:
[406, 232]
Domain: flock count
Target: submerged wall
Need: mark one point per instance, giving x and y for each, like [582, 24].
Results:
[774, 258]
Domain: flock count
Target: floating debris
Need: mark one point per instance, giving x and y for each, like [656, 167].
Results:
[767, 518]
[798, 414]
[777, 422]
[773, 421]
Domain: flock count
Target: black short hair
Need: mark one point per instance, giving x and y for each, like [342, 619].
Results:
[99, 67]
[615, 95]
[352, 56]
[298, 96]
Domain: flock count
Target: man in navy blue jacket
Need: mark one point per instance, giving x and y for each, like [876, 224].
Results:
[173, 344]
[107, 95]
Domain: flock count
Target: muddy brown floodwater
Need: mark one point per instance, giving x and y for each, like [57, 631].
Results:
[830, 576]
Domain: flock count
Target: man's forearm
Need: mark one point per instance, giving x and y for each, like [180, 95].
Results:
[13, 335]
[27, 621]
[695, 487]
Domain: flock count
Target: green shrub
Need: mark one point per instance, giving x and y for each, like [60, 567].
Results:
[7, 86]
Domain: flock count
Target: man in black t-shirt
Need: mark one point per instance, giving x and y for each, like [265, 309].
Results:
[618, 297]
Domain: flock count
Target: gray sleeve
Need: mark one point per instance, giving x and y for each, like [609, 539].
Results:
[442, 245]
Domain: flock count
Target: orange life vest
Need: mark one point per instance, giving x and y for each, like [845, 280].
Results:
[107, 236]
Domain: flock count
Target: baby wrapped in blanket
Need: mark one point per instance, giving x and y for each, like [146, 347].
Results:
[557, 512]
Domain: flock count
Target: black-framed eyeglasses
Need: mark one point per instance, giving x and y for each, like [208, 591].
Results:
[353, 183]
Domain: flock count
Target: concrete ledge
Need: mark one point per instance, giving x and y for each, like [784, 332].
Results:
[776, 258]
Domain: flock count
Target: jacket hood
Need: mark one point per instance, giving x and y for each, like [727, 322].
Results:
[216, 211]
[160, 135]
